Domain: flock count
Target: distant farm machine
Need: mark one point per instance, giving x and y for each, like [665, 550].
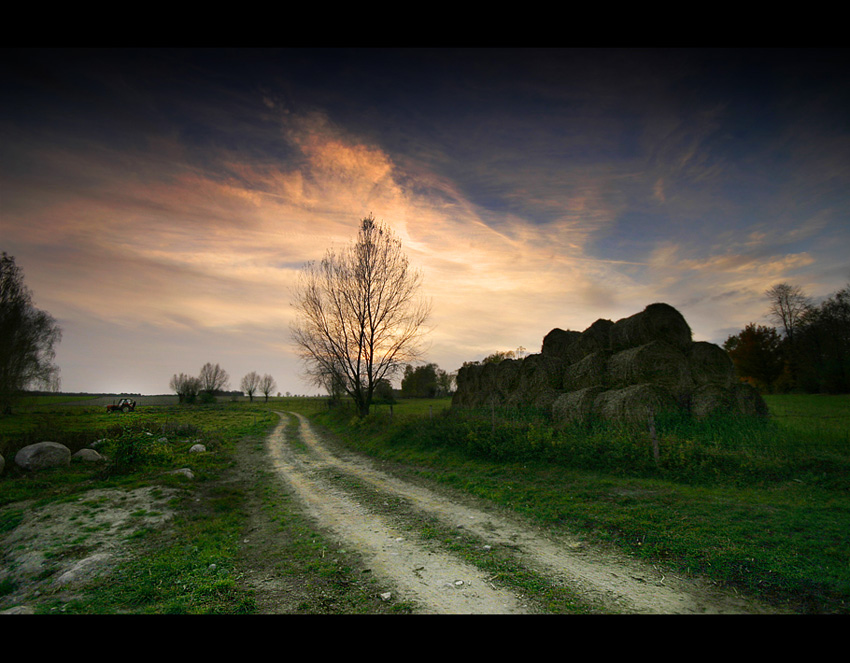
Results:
[123, 405]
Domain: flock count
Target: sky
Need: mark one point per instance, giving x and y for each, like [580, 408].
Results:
[162, 202]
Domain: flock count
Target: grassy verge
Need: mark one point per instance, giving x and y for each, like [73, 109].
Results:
[197, 564]
[764, 508]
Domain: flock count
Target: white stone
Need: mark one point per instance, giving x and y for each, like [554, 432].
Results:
[88, 455]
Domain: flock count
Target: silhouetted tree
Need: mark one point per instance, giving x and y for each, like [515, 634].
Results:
[445, 382]
[420, 382]
[213, 378]
[27, 337]
[822, 345]
[267, 385]
[186, 387]
[788, 305]
[384, 392]
[250, 384]
[756, 353]
[359, 317]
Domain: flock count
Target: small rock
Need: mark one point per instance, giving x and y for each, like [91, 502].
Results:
[19, 610]
[185, 471]
[386, 596]
[197, 448]
[84, 569]
[88, 455]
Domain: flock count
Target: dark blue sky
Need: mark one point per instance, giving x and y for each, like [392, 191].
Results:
[534, 188]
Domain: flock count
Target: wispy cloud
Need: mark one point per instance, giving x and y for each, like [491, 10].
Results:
[559, 188]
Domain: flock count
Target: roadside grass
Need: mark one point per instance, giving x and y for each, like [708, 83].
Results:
[762, 507]
[193, 566]
[188, 568]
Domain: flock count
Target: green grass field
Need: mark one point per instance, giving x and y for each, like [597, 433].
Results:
[761, 508]
[764, 508]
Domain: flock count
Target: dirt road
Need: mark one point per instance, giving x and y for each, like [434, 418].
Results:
[354, 510]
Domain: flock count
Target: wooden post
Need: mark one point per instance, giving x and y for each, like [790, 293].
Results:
[655, 451]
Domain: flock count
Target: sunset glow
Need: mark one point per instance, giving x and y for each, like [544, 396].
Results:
[161, 203]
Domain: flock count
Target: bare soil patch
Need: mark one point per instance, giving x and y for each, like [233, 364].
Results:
[58, 547]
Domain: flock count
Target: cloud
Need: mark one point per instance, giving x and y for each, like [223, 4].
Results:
[580, 187]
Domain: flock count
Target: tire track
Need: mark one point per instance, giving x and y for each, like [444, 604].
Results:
[435, 581]
[605, 580]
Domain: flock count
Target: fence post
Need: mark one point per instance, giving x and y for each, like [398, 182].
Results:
[655, 451]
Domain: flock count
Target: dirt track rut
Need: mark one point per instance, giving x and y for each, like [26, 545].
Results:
[437, 582]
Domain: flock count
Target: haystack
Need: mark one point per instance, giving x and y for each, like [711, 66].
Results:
[592, 371]
[618, 371]
[748, 401]
[710, 364]
[657, 322]
[593, 339]
[710, 399]
[575, 406]
[557, 342]
[539, 371]
[540, 377]
[468, 383]
[507, 376]
[655, 362]
[487, 377]
[634, 404]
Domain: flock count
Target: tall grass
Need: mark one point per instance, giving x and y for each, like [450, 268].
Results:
[728, 449]
[759, 505]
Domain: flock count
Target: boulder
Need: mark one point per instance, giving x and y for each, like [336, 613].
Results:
[43, 455]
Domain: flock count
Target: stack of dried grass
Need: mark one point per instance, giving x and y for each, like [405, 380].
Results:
[556, 342]
[657, 322]
[655, 362]
[591, 371]
[540, 379]
[620, 370]
[633, 404]
[576, 406]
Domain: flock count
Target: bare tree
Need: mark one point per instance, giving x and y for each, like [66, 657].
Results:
[267, 385]
[213, 378]
[27, 337]
[359, 314]
[186, 387]
[788, 304]
[250, 384]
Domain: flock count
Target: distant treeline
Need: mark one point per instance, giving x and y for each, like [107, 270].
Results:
[809, 351]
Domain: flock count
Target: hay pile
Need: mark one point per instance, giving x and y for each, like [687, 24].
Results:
[619, 371]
